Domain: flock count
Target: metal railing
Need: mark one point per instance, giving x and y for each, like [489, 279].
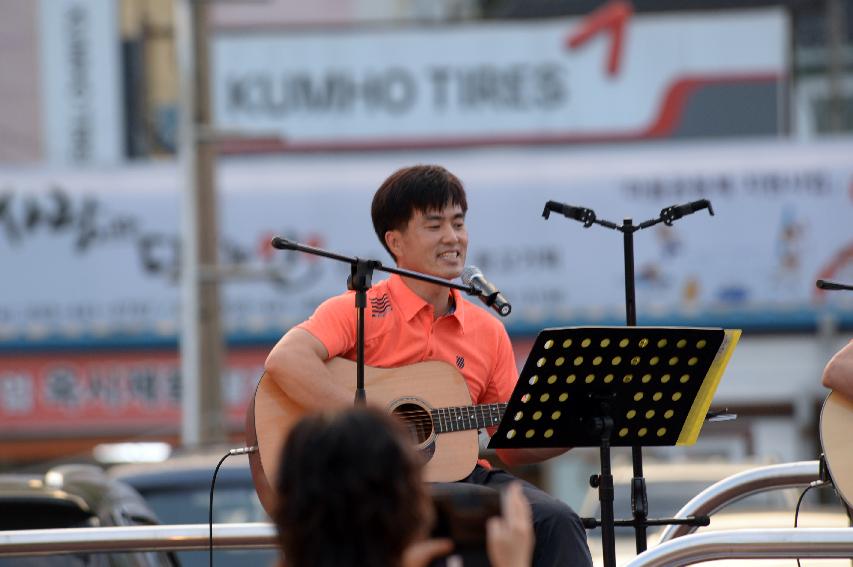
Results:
[777, 543]
[672, 549]
[740, 485]
[137, 538]
[744, 544]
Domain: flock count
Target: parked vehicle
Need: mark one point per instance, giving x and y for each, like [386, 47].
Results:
[178, 490]
[75, 496]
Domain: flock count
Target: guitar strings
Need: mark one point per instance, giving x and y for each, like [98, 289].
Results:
[424, 416]
[424, 419]
[436, 415]
[499, 407]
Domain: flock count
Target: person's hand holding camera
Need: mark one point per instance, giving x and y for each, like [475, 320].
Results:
[509, 537]
[422, 553]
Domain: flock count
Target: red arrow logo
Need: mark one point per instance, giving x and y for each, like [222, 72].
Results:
[611, 18]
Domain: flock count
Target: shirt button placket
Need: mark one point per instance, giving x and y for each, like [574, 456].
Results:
[429, 350]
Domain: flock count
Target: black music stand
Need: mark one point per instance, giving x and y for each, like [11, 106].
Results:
[615, 386]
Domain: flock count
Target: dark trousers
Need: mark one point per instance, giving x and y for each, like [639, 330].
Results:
[560, 536]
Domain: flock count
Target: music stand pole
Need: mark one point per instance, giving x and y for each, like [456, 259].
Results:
[639, 499]
[604, 425]
[627, 230]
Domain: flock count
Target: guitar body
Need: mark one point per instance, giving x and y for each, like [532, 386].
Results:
[836, 425]
[409, 391]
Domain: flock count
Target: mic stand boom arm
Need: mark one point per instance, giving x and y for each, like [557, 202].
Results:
[360, 280]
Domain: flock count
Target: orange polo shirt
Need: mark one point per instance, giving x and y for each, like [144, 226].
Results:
[400, 329]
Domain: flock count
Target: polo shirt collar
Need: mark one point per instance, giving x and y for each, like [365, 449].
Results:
[410, 303]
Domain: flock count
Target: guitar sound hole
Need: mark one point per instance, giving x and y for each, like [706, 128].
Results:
[417, 420]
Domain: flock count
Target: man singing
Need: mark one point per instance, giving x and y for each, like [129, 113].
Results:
[419, 216]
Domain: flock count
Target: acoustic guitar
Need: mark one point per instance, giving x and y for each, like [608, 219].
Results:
[431, 398]
[836, 438]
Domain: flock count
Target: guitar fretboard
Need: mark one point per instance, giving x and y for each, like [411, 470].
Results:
[462, 418]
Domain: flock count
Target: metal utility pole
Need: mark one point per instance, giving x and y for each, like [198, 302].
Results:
[201, 343]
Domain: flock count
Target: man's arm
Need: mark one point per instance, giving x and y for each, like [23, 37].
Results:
[513, 457]
[297, 364]
[838, 374]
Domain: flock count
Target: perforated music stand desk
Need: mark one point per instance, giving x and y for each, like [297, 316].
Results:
[615, 386]
[655, 383]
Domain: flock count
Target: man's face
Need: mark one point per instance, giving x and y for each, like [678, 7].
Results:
[433, 242]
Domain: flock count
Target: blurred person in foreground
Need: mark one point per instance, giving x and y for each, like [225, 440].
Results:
[838, 373]
[418, 215]
[350, 494]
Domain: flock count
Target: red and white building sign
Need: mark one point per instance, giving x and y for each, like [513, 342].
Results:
[610, 76]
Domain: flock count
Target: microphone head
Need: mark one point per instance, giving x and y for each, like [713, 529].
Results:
[826, 284]
[469, 273]
[280, 243]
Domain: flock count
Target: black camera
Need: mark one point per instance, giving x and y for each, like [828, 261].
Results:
[461, 513]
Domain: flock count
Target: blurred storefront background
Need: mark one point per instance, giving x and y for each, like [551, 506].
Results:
[632, 109]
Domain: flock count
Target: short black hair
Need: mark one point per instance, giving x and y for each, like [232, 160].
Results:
[424, 188]
[350, 491]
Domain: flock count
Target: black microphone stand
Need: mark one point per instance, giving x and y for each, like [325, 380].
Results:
[604, 481]
[360, 280]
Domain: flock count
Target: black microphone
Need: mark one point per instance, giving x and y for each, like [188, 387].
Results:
[675, 212]
[486, 290]
[584, 215]
[281, 243]
[826, 284]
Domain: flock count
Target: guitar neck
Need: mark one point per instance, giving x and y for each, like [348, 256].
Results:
[461, 418]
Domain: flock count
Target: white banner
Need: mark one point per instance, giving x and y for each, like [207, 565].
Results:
[81, 85]
[92, 255]
[475, 82]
